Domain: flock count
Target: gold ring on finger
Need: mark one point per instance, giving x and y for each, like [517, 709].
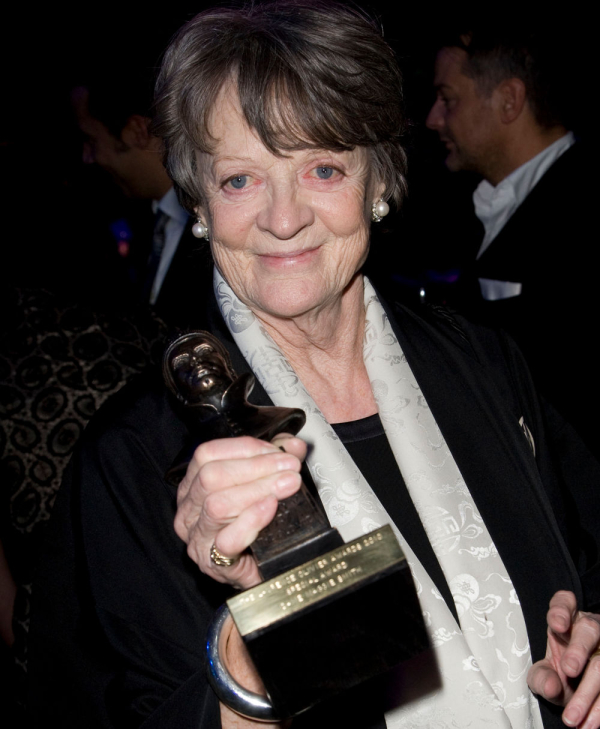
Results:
[220, 559]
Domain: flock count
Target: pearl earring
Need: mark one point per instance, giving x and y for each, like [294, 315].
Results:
[199, 230]
[379, 210]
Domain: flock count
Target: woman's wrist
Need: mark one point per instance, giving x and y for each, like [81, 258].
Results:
[238, 662]
[237, 659]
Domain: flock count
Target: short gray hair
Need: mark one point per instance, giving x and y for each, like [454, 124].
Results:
[328, 63]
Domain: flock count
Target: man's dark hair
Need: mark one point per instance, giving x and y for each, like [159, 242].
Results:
[307, 74]
[499, 51]
[117, 91]
[120, 76]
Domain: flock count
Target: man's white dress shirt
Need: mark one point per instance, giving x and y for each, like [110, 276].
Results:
[495, 205]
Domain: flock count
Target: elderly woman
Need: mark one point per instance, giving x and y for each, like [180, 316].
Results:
[282, 125]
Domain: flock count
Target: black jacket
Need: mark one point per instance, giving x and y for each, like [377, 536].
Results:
[120, 611]
[546, 246]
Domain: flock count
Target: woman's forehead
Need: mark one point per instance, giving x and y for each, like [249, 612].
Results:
[229, 128]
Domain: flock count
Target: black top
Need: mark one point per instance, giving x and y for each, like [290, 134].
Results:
[367, 444]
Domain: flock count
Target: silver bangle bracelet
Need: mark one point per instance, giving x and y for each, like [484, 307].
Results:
[228, 690]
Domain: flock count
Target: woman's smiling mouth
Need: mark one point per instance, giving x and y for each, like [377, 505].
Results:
[287, 259]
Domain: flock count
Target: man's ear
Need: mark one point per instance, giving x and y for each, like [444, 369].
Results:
[512, 98]
[136, 133]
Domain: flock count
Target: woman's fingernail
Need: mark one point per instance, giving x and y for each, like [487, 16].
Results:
[287, 481]
[285, 462]
[571, 716]
[562, 623]
[573, 666]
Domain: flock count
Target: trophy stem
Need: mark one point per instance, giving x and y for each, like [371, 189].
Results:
[298, 533]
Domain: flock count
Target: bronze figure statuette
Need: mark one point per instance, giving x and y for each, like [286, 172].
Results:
[328, 615]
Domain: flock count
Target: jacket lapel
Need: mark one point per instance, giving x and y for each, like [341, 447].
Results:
[480, 424]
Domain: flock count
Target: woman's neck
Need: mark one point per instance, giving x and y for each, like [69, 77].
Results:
[325, 348]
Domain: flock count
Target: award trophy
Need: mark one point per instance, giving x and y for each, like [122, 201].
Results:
[328, 615]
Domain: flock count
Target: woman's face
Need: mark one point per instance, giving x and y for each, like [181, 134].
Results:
[287, 233]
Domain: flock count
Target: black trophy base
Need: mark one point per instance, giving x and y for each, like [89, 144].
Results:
[332, 623]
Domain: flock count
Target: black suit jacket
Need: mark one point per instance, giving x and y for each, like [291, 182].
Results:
[188, 282]
[548, 246]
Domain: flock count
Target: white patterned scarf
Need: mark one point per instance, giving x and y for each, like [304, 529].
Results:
[480, 678]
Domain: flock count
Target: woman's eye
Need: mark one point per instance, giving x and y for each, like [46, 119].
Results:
[324, 173]
[238, 182]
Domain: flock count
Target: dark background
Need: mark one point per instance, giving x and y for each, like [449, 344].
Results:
[61, 220]
[59, 215]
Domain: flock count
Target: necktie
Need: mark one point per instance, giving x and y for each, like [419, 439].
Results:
[158, 244]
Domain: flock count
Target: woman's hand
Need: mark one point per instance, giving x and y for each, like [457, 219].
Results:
[229, 493]
[573, 640]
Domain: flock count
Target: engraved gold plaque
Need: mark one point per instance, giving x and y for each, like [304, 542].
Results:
[315, 581]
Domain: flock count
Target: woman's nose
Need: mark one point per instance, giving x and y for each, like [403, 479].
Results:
[285, 214]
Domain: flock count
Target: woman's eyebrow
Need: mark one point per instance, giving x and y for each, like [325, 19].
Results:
[232, 158]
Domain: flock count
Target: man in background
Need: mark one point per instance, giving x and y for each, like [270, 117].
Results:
[167, 265]
[502, 110]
